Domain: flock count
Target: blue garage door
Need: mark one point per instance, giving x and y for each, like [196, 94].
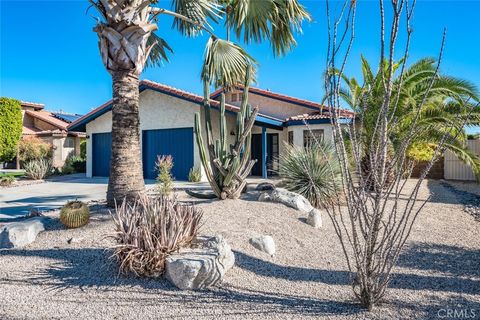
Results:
[101, 151]
[175, 142]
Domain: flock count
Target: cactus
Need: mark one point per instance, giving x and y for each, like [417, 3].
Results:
[227, 167]
[74, 214]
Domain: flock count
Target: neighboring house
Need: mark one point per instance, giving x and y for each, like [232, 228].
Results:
[167, 127]
[51, 127]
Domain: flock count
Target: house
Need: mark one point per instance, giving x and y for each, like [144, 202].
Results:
[51, 127]
[167, 127]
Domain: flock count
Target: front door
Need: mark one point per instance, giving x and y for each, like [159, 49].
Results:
[272, 154]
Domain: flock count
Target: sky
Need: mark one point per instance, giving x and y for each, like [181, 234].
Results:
[49, 52]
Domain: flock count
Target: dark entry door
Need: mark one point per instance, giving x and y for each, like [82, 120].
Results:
[101, 151]
[272, 154]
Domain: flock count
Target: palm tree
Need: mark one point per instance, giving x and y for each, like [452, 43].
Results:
[128, 43]
[447, 109]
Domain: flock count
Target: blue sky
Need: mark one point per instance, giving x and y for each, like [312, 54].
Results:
[49, 53]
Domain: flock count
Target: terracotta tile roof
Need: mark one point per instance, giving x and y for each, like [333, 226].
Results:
[48, 117]
[30, 130]
[32, 104]
[344, 114]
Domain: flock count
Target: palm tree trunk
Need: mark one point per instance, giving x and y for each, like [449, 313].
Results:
[126, 170]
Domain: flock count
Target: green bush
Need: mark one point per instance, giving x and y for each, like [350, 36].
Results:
[74, 164]
[194, 175]
[6, 181]
[313, 172]
[38, 169]
[164, 167]
[34, 149]
[10, 127]
[83, 149]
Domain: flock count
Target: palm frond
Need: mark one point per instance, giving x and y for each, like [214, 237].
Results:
[198, 11]
[158, 54]
[226, 63]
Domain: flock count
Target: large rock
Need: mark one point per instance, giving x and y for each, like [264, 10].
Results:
[288, 198]
[264, 243]
[264, 186]
[201, 266]
[19, 234]
[315, 218]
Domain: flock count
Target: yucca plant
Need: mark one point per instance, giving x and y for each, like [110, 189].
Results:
[194, 175]
[149, 230]
[312, 171]
[38, 169]
[164, 167]
[74, 214]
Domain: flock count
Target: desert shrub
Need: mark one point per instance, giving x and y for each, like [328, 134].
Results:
[10, 127]
[74, 164]
[74, 214]
[164, 167]
[313, 172]
[6, 181]
[34, 149]
[194, 175]
[149, 230]
[38, 169]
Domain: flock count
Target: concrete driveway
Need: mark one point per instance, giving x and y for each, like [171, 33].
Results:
[17, 201]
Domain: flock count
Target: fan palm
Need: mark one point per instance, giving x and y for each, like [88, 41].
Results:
[128, 43]
[447, 109]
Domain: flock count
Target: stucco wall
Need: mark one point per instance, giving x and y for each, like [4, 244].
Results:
[269, 106]
[157, 111]
[298, 132]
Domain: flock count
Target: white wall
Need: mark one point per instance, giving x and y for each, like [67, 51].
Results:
[157, 111]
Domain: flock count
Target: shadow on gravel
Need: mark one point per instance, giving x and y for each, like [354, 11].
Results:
[456, 261]
[337, 277]
[90, 268]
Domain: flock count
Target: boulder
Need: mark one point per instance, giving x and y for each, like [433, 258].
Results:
[264, 186]
[19, 234]
[288, 198]
[264, 243]
[315, 218]
[202, 265]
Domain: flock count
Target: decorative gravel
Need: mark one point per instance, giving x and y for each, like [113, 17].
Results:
[67, 274]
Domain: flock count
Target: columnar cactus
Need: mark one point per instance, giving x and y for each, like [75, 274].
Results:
[227, 167]
[74, 214]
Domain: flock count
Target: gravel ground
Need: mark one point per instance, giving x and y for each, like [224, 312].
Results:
[66, 274]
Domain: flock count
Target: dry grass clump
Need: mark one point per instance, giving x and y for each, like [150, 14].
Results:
[149, 230]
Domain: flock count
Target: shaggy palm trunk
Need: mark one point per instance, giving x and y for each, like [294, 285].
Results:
[126, 171]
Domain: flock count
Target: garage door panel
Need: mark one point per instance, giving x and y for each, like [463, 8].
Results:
[101, 152]
[175, 142]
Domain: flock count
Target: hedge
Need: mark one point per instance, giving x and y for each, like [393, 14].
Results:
[10, 127]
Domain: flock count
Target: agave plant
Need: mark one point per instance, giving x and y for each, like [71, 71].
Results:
[312, 171]
[150, 229]
[38, 169]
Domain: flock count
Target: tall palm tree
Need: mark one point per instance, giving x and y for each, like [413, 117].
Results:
[447, 109]
[128, 43]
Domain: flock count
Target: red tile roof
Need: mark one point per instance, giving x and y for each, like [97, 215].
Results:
[344, 114]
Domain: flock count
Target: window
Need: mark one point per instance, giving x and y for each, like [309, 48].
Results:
[310, 136]
[234, 97]
[69, 143]
[290, 138]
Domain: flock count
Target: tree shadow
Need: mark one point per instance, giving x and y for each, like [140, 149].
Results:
[457, 261]
[92, 268]
[452, 283]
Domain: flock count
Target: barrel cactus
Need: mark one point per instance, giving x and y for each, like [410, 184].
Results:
[74, 214]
